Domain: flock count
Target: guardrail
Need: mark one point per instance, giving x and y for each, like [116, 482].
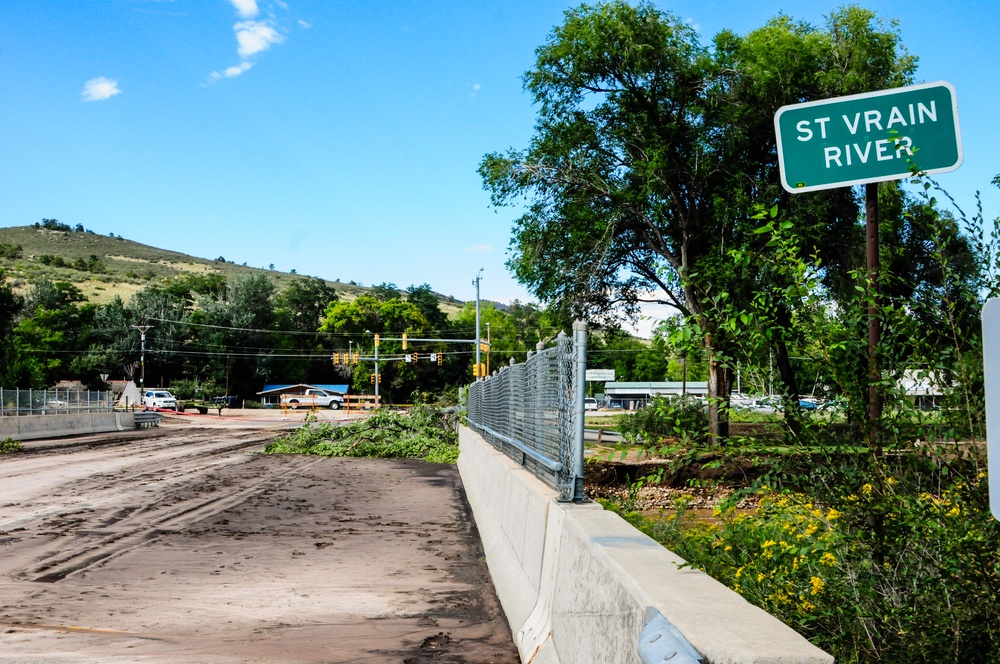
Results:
[533, 412]
[14, 402]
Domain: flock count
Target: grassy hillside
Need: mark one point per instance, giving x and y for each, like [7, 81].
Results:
[123, 266]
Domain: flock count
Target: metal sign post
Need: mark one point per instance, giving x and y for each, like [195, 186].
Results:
[991, 374]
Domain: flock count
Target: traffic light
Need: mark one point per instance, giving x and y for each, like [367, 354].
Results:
[355, 358]
[415, 357]
[374, 379]
[376, 340]
[404, 343]
[336, 358]
[440, 358]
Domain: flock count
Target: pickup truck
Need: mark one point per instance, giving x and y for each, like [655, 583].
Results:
[313, 398]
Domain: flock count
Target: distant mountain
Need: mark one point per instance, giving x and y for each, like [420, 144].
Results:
[103, 266]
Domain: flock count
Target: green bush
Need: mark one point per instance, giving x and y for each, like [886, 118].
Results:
[676, 417]
[9, 446]
[877, 563]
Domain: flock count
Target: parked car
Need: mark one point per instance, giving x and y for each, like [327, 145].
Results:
[590, 404]
[160, 399]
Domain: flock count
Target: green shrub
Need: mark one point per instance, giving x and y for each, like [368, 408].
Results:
[679, 417]
[883, 564]
[9, 446]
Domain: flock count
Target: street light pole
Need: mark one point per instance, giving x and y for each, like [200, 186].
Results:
[142, 355]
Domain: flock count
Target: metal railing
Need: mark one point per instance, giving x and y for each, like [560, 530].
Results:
[533, 412]
[15, 402]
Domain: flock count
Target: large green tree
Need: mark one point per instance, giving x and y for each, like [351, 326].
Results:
[650, 154]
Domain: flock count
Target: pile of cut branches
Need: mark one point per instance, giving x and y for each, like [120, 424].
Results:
[423, 433]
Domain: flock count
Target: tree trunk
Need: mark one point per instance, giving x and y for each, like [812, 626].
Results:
[789, 388]
[718, 397]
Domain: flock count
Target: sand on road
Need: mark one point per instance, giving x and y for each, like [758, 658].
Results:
[184, 546]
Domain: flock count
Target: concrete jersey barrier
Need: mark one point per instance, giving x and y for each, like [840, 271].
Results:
[32, 427]
[576, 581]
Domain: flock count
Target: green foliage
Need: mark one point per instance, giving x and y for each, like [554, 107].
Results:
[873, 562]
[673, 417]
[423, 433]
[53, 225]
[9, 446]
[9, 250]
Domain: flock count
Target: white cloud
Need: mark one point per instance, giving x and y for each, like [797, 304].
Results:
[231, 72]
[246, 8]
[99, 89]
[305, 24]
[696, 26]
[479, 248]
[255, 37]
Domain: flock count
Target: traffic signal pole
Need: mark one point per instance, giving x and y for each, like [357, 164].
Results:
[376, 371]
[479, 336]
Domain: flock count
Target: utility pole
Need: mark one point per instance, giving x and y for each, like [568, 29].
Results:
[142, 355]
[478, 337]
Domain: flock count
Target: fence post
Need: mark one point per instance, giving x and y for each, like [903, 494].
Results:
[579, 394]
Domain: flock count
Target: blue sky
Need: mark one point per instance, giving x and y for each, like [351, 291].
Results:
[341, 139]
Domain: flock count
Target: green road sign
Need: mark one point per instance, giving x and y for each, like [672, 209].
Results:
[869, 137]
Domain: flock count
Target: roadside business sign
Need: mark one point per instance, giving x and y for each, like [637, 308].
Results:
[869, 137]
[600, 375]
[991, 373]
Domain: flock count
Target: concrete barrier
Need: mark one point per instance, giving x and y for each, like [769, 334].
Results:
[32, 427]
[575, 581]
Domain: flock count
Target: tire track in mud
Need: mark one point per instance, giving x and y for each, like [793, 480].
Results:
[188, 548]
[165, 483]
[147, 465]
[100, 545]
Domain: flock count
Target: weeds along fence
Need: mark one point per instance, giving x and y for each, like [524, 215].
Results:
[533, 412]
[15, 402]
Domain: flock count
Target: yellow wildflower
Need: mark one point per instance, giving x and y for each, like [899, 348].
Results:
[890, 481]
[817, 585]
[760, 576]
[811, 529]
[767, 544]
[832, 515]
[807, 606]
[828, 559]
[866, 488]
[728, 548]
[954, 511]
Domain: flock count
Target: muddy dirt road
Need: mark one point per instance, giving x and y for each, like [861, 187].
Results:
[180, 545]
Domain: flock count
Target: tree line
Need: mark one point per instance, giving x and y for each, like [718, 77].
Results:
[212, 336]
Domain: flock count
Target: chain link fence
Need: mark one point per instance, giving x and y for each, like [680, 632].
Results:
[15, 402]
[533, 412]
